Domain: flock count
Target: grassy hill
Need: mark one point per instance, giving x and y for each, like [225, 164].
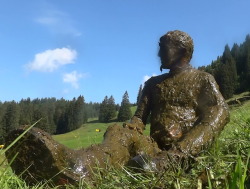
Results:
[84, 136]
[224, 165]
[87, 134]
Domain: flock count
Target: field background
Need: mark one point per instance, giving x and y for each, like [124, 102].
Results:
[87, 134]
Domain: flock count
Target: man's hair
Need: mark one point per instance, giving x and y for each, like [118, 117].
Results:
[181, 40]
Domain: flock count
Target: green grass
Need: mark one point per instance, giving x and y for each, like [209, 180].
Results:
[133, 109]
[84, 136]
[239, 118]
[87, 135]
[225, 164]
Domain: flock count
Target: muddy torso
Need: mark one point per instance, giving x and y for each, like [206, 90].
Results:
[174, 104]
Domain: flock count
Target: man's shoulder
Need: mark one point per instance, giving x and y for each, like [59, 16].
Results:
[156, 79]
[203, 76]
[202, 73]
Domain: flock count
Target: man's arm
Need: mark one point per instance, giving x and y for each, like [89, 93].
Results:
[139, 120]
[213, 116]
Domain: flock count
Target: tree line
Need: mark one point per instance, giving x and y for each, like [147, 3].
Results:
[108, 109]
[231, 70]
[58, 116]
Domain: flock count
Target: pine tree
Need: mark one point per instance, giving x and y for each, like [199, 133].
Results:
[103, 110]
[107, 109]
[10, 118]
[235, 52]
[92, 109]
[69, 116]
[50, 109]
[229, 75]
[139, 95]
[124, 113]
[40, 115]
[26, 111]
[246, 73]
[79, 114]
[111, 109]
[59, 116]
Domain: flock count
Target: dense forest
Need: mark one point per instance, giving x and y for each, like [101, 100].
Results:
[60, 116]
[57, 116]
[231, 70]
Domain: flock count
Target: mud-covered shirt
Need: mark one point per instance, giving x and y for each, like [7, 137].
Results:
[187, 109]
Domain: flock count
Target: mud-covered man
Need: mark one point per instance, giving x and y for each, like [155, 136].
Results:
[187, 110]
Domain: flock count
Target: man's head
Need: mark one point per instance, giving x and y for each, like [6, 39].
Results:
[176, 49]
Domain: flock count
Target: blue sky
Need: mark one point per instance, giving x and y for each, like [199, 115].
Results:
[94, 48]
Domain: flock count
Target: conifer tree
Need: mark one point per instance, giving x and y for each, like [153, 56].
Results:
[139, 95]
[40, 115]
[107, 109]
[223, 69]
[103, 110]
[59, 116]
[10, 118]
[124, 113]
[246, 74]
[228, 74]
[111, 110]
[79, 114]
[26, 111]
[69, 116]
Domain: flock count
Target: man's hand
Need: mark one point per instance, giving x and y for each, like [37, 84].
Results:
[135, 124]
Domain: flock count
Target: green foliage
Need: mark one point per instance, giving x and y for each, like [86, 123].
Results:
[232, 69]
[228, 74]
[107, 110]
[58, 116]
[92, 109]
[10, 119]
[139, 95]
[224, 166]
[125, 113]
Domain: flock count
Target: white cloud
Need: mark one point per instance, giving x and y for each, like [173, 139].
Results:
[73, 78]
[50, 60]
[146, 77]
[58, 22]
[47, 21]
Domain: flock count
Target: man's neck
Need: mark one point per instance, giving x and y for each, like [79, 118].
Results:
[179, 68]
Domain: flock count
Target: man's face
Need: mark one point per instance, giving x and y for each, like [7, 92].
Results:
[169, 54]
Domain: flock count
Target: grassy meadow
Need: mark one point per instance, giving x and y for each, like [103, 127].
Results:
[225, 165]
[88, 134]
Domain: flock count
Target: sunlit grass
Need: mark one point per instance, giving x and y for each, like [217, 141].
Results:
[224, 166]
[87, 135]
